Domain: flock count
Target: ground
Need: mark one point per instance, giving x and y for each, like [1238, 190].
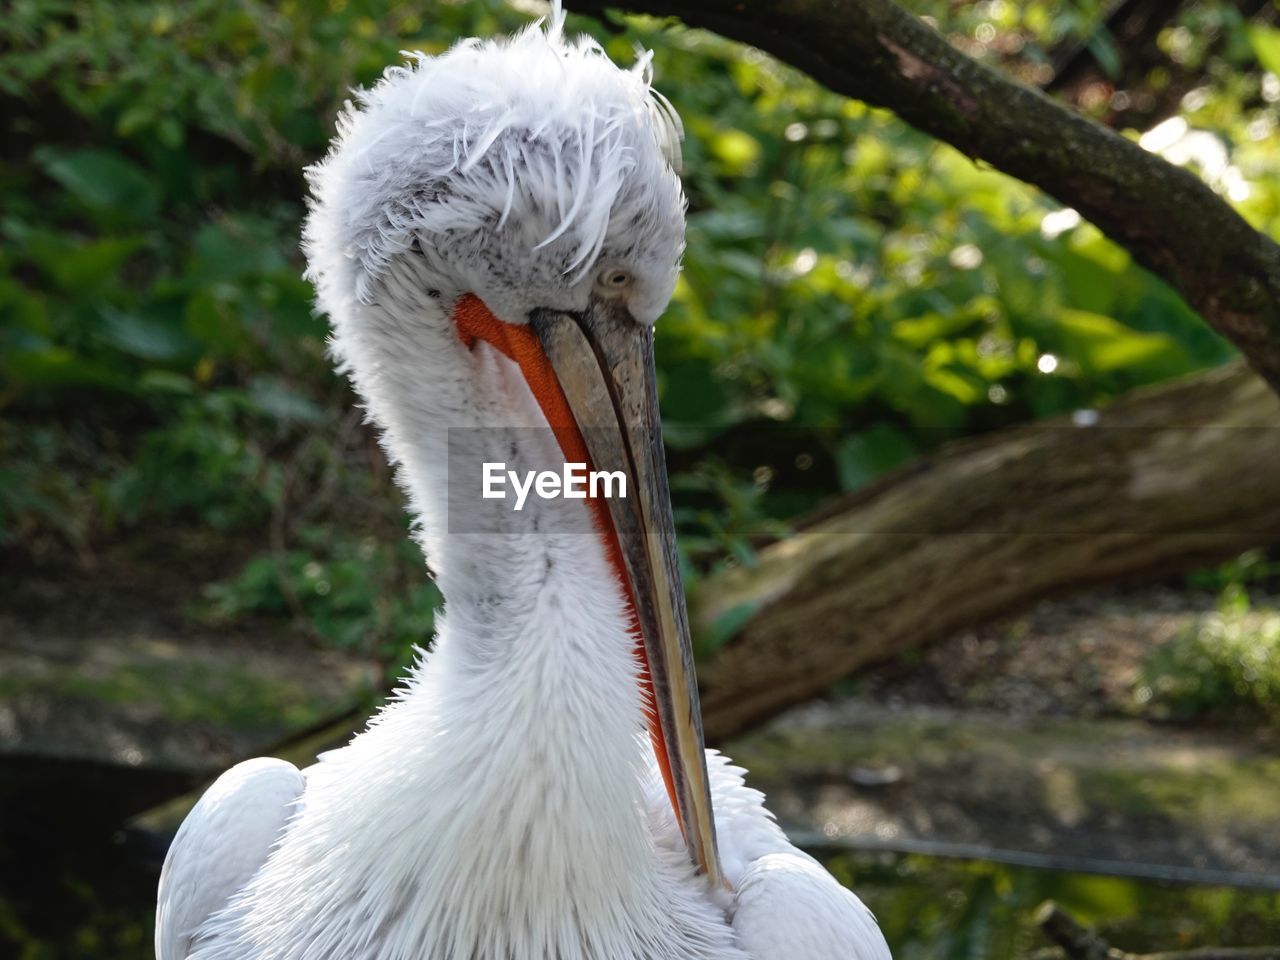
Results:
[1102, 796]
[1079, 656]
[107, 667]
[1024, 739]
[1030, 740]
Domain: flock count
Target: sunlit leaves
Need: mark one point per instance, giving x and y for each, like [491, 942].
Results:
[1227, 666]
[738, 152]
[1101, 345]
[846, 279]
[1266, 44]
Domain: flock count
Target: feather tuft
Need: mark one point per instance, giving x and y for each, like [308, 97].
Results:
[538, 131]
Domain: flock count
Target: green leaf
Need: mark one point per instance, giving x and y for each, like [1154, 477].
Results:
[59, 367]
[104, 180]
[1266, 44]
[1103, 47]
[691, 393]
[1090, 285]
[275, 398]
[80, 267]
[230, 252]
[738, 151]
[727, 625]
[165, 381]
[929, 328]
[213, 317]
[863, 457]
[954, 380]
[1102, 344]
[146, 337]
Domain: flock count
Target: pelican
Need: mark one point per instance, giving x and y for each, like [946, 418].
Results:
[493, 236]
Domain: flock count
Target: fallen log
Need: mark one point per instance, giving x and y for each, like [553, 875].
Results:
[1164, 480]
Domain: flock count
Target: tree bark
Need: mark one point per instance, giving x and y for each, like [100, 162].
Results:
[1168, 478]
[1166, 217]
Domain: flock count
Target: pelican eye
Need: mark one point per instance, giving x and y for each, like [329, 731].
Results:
[613, 281]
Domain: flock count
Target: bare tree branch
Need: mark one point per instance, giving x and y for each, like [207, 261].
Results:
[1077, 941]
[1167, 479]
[1166, 217]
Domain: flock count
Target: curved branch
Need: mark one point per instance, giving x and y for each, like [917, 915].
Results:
[1166, 217]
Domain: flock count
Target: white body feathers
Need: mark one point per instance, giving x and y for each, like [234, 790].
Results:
[505, 805]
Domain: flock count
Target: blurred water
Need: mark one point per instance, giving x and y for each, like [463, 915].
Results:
[73, 888]
[952, 909]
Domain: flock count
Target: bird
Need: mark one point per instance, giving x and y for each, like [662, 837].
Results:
[493, 236]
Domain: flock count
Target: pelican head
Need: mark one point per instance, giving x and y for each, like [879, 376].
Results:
[520, 169]
[494, 235]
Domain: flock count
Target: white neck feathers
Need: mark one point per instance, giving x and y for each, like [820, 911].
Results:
[497, 808]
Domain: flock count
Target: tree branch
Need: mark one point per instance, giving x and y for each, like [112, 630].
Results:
[1168, 479]
[1077, 941]
[1166, 217]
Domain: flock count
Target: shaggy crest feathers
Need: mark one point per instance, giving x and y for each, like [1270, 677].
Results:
[535, 132]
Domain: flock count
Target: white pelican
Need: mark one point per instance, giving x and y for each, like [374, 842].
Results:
[493, 235]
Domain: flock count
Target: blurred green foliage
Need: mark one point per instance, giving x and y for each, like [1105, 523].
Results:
[1226, 668]
[944, 909]
[854, 292]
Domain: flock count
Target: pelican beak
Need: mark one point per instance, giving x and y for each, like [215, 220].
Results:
[603, 360]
